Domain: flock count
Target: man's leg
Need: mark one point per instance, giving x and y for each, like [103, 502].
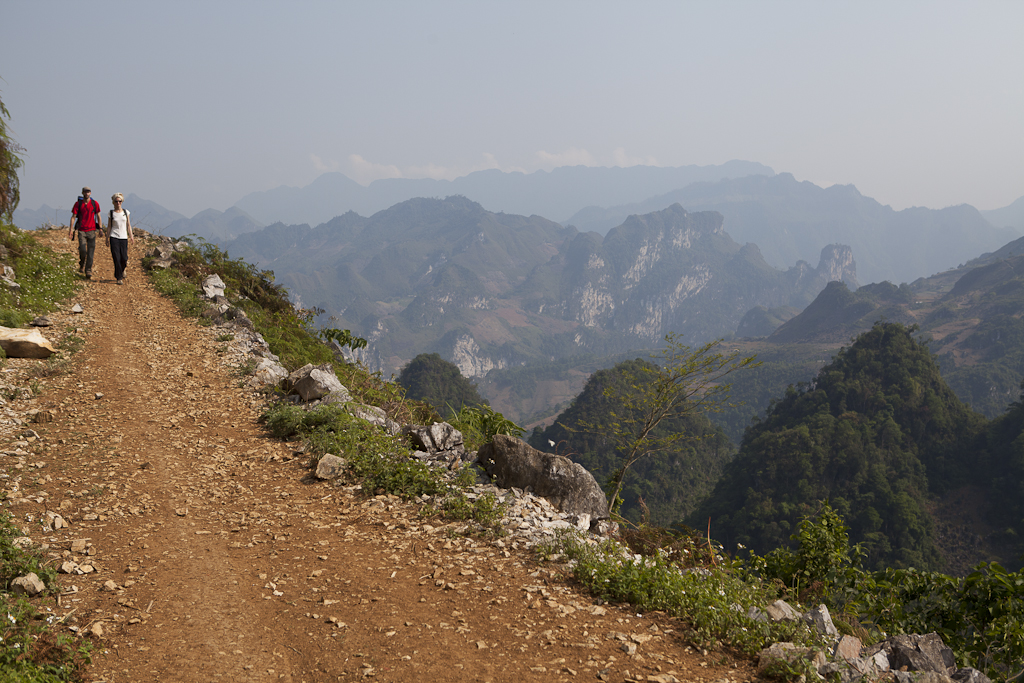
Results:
[83, 250]
[90, 239]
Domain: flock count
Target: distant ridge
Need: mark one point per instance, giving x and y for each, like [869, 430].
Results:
[792, 220]
[555, 194]
[1011, 216]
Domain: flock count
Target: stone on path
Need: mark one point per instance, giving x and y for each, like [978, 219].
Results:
[330, 467]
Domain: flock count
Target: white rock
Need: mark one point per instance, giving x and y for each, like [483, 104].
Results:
[269, 373]
[213, 286]
[780, 610]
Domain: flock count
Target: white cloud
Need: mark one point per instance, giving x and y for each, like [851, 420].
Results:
[365, 172]
[323, 166]
[570, 157]
[622, 159]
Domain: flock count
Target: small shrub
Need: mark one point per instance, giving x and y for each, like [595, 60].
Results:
[486, 510]
[479, 424]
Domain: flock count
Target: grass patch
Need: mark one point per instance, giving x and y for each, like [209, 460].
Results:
[46, 277]
[30, 650]
[178, 289]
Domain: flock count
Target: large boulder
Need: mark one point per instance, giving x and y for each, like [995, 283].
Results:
[313, 382]
[567, 484]
[19, 343]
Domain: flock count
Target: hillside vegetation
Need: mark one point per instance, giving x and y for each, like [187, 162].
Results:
[877, 433]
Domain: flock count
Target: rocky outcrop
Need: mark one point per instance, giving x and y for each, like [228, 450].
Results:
[570, 487]
[906, 657]
[672, 271]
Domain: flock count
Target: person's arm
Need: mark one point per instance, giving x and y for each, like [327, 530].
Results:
[128, 222]
[99, 219]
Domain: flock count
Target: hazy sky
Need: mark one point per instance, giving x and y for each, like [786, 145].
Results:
[194, 105]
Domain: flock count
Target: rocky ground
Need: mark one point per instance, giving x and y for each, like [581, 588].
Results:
[199, 549]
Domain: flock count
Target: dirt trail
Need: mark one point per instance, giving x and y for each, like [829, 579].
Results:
[228, 564]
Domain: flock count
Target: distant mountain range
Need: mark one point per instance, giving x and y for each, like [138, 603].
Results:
[791, 220]
[555, 194]
[492, 290]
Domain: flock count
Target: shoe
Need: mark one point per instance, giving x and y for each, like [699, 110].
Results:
[120, 282]
[88, 275]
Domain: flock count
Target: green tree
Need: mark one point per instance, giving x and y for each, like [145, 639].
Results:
[10, 162]
[432, 379]
[684, 381]
[669, 486]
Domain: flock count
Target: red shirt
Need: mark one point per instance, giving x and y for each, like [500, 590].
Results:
[86, 213]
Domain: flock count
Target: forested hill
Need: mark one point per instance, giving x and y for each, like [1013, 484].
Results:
[877, 433]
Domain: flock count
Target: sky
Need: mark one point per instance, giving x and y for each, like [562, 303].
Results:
[193, 105]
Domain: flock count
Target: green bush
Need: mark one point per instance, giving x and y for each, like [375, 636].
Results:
[479, 424]
[713, 601]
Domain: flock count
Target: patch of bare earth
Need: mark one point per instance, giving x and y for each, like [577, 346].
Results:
[204, 553]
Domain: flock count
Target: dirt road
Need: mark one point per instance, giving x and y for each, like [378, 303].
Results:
[208, 555]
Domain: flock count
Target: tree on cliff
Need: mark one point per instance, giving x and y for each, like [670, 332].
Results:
[432, 379]
[682, 382]
[671, 485]
[10, 162]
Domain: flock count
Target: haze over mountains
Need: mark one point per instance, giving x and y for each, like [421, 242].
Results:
[555, 194]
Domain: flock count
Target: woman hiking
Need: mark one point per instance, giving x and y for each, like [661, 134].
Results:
[120, 229]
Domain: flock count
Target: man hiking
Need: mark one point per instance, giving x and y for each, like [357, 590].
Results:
[85, 217]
